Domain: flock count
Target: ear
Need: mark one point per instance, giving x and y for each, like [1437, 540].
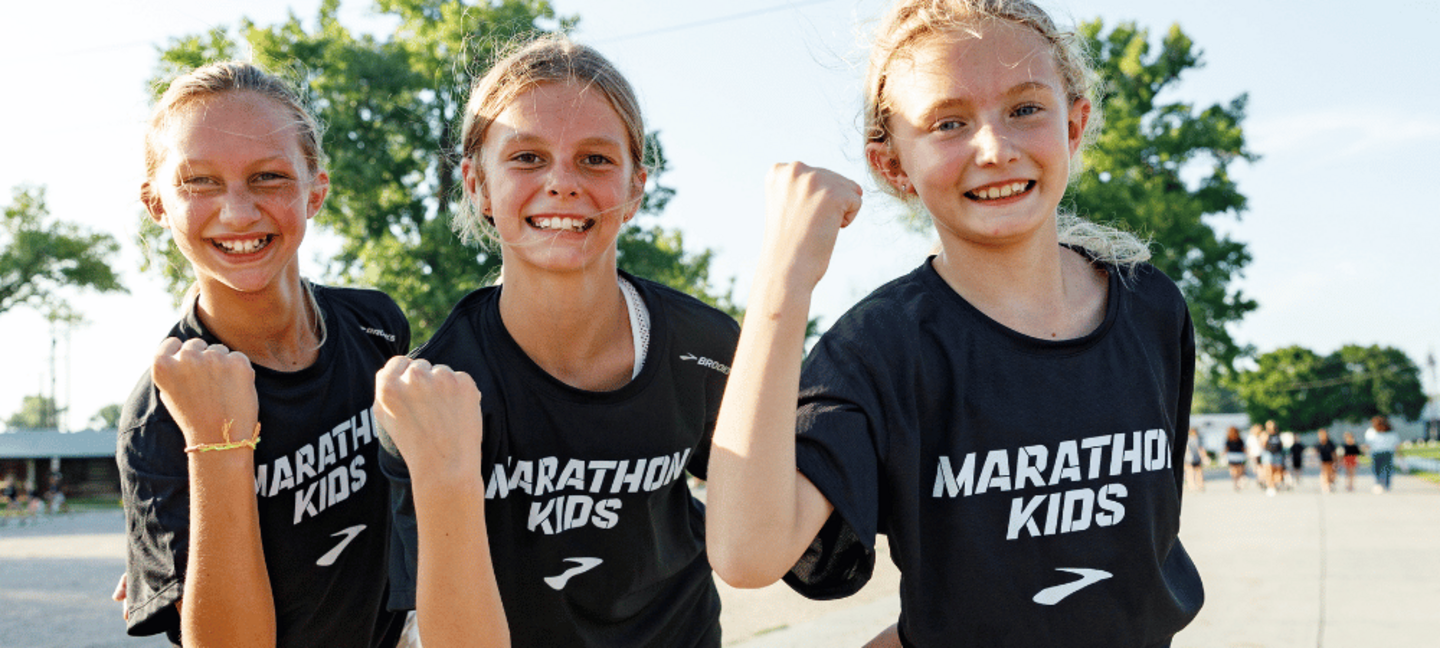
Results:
[474, 184]
[153, 205]
[319, 188]
[885, 162]
[639, 188]
[1079, 117]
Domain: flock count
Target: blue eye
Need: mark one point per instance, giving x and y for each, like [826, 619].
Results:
[949, 125]
[1027, 110]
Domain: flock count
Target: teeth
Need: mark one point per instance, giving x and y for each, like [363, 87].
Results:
[243, 247]
[1001, 192]
[561, 223]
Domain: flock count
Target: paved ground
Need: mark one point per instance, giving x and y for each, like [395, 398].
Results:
[1298, 569]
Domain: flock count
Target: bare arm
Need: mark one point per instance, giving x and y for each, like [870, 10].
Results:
[433, 415]
[227, 597]
[761, 513]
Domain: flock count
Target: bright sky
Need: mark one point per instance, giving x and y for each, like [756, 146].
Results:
[1344, 110]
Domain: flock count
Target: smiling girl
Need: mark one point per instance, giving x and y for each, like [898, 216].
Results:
[1011, 413]
[236, 540]
[600, 391]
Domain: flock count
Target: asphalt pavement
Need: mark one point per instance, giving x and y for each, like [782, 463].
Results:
[1297, 569]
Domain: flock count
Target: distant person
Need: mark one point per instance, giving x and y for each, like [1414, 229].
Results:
[55, 495]
[10, 493]
[1273, 457]
[1296, 450]
[33, 498]
[1383, 444]
[235, 539]
[1195, 460]
[1351, 458]
[1326, 450]
[1255, 455]
[1235, 456]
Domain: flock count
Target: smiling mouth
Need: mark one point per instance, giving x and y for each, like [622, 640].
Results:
[243, 246]
[996, 192]
[561, 223]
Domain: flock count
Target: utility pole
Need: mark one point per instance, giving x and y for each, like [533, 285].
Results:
[1432, 427]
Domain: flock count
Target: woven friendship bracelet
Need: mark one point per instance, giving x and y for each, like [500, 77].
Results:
[227, 444]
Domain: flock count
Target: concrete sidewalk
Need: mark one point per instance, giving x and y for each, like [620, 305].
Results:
[1297, 569]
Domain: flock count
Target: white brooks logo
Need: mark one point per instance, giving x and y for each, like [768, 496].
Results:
[582, 565]
[1088, 577]
[330, 556]
[707, 363]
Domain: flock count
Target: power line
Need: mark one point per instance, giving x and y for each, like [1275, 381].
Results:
[712, 21]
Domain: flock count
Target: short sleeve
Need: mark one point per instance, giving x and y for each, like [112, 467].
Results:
[404, 532]
[155, 491]
[836, 449]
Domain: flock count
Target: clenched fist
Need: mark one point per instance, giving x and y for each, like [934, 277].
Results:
[205, 387]
[432, 413]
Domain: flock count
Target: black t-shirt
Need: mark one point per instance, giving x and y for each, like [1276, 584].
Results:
[324, 519]
[1326, 451]
[1030, 488]
[595, 537]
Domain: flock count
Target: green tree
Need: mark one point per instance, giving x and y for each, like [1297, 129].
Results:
[1379, 380]
[107, 418]
[36, 412]
[393, 108]
[38, 257]
[1295, 386]
[1161, 168]
[1214, 396]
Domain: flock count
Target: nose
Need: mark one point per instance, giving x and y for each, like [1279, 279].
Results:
[562, 181]
[239, 209]
[992, 146]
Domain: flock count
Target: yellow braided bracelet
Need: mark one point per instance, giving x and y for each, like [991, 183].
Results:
[227, 444]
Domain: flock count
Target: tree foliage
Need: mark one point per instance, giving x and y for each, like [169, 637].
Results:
[1302, 390]
[1214, 396]
[393, 108]
[107, 418]
[1382, 380]
[38, 257]
[1161, 168]
[36, 412]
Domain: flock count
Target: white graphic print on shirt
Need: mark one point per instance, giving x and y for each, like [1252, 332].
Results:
[308, 471]
[579, 480]
[1074, 461]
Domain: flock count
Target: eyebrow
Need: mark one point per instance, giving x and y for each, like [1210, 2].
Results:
[193, 162]
[1017, 89]
[531, 139]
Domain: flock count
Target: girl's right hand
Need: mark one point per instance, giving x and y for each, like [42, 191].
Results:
[432, 413]
[805, 207]
[206, 388]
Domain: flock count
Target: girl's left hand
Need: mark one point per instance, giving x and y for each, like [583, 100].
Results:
[432, 413]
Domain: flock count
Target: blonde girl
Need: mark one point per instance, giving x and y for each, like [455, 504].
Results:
[1011, 413]
[547, 427]
[255, 512]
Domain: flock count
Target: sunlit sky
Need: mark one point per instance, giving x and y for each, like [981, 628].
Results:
[1344, 111]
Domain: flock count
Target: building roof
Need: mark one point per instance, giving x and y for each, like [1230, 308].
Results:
[44, 444]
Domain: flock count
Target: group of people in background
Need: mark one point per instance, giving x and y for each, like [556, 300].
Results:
[28, 499]
[1276, 460]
